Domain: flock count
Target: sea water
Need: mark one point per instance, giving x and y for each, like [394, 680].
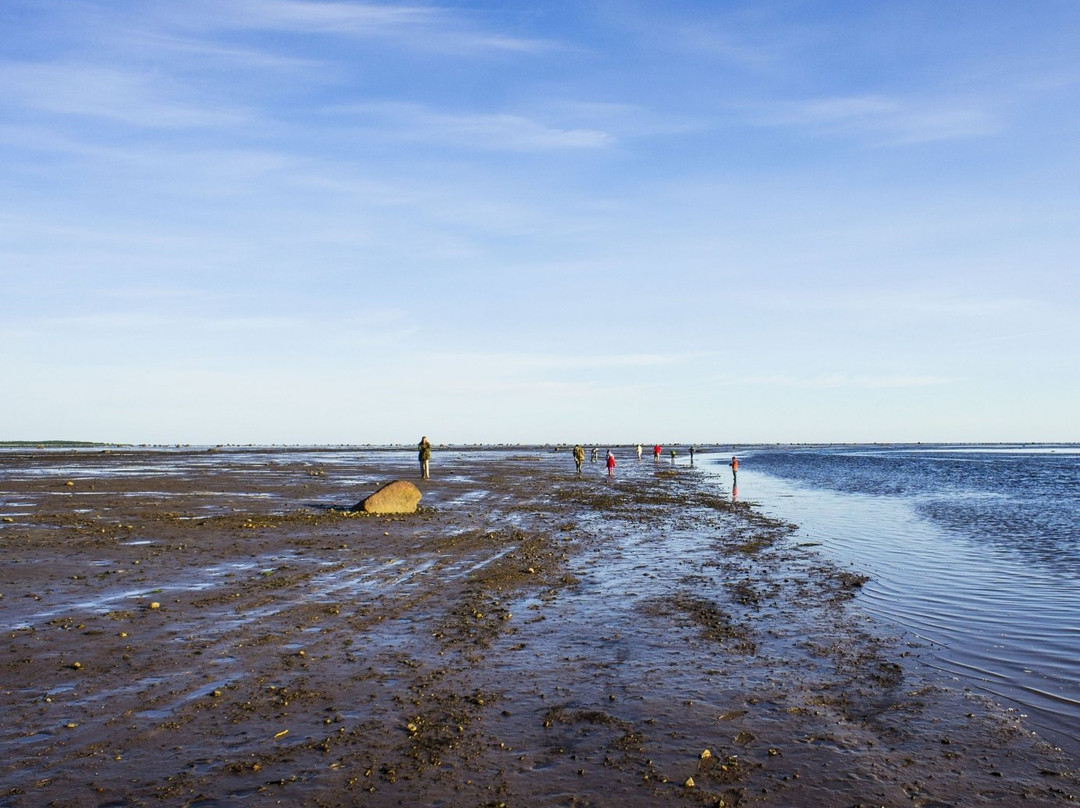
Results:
[973, 551]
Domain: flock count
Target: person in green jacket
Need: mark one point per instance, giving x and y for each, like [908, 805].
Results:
[425, 457]
[579, 457]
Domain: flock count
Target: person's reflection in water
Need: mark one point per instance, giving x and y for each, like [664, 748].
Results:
[734, 493]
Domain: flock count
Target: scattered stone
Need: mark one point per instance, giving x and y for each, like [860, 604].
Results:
[400, 496]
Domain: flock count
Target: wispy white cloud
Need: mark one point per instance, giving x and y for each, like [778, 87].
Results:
[206, 54]
[746, 41]
[837, 380]
[527, 362]
[123, 96]
[727, 45]
[904, 303]
[622, 119]
[155, 324]
[503, 131]
[419, 26]
[886, 121]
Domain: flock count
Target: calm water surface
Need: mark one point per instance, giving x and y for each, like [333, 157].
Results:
[975, 550]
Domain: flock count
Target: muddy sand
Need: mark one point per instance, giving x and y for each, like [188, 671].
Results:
[215, 628]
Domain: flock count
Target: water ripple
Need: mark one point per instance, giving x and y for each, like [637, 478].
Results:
[983, 570]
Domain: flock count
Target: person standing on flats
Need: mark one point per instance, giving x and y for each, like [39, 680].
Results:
[425, 458]
[579, 456]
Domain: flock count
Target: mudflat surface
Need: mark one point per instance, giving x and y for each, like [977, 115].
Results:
[216, 628]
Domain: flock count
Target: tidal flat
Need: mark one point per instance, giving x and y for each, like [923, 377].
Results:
[216, 627]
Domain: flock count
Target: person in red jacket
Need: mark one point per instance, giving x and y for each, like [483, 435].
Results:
[734, 469]
[656, 452]
[610, 462]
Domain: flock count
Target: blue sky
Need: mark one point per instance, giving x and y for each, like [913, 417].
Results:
[282, 221]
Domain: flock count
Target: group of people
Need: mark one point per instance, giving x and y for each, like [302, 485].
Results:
[579, 458]
[424, 448]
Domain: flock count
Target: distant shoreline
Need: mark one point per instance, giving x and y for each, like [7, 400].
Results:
[704, 446]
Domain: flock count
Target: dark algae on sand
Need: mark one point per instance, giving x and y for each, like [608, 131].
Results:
[192, 628]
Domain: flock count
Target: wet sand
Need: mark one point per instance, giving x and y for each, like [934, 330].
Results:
[193, 628]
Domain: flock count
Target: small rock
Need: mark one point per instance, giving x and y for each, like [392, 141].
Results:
[689, 782]
[155, 605]
[706, 755]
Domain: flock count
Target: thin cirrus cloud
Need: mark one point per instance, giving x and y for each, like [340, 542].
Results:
[418, 26]
[501, 131]
[125, 97]
[839, 380]
[886, 121]
[928, 302]
[136, 332]
[521, 362]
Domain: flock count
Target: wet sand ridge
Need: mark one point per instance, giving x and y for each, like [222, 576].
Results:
[530, 637]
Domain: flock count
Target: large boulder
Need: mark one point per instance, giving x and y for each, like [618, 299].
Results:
[400, 496]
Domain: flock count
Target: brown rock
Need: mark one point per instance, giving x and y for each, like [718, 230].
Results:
[400, 496]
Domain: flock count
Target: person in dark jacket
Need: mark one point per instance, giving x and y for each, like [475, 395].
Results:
[425, 457]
